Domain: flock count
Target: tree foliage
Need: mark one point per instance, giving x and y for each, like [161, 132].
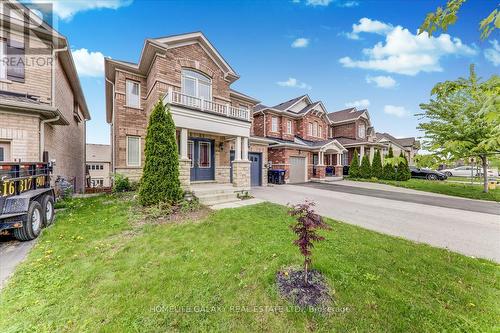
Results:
[455, 123]
[306, 227]
[444, 17]
[354, 167]
[403, 171]
[365, 170]
[377, 165]
[160, 178]
[389, 169]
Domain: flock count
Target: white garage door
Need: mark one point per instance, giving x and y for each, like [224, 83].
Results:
[297, 169]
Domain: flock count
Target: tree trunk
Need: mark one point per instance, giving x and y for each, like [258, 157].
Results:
[305, 271]
[484, 159]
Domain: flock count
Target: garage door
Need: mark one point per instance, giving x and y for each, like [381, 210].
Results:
[297, 169]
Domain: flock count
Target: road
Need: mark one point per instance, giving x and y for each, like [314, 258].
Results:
[470, 227]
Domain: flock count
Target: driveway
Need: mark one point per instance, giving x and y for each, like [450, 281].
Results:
[470, 227]
[12, 252]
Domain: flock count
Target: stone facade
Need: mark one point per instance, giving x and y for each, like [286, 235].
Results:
[184, 173]
[241, 174]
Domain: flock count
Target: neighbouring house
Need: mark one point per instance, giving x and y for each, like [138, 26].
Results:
[308, 142]
[99, 165]
[213, 121]
[409, 146]
[42, 106]
[300, 143]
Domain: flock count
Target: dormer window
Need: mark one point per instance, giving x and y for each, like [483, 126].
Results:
[196, 84]
[361, 131]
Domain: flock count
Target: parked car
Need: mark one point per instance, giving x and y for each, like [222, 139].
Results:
[461, 171]
[429, 174]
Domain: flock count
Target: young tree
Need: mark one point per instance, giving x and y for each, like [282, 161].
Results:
[442, 18]
[456, 125]
[377, 165]
[306, 227]
[354, 167]
[366, 169]
[160, 178]
[389, 170]
[403, 171]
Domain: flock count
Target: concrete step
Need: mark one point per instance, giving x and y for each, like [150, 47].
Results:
[220, 201]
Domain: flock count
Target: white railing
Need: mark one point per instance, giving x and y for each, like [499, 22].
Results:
[175, 97]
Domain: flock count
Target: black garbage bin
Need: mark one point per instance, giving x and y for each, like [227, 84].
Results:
[276, 176]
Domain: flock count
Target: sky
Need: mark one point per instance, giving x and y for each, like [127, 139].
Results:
[343, 52]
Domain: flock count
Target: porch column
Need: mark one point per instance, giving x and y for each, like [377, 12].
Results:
[361, 153]
[320, 158]
[183, 143]
[372, 153]
[237, 149]
[244, 149]
[339, 159]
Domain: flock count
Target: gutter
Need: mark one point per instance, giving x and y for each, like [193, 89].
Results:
[113, 168]
[42, 134]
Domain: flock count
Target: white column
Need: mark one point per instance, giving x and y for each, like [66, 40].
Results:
[237, 149]
[339, 159]
[372, 153]
[244, 149]
[362, 153]
[184, 143]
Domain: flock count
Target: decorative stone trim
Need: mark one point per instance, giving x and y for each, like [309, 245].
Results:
[185, 173]
[184, 62]
[241, 174]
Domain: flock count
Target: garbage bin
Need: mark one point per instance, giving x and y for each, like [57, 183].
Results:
[492, 184]
[276, 176]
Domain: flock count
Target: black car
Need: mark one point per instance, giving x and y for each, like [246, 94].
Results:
[426, 174]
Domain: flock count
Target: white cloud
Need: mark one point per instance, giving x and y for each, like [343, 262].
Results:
[398, 111]
[381, 81]
[294, 83]
[315, 3]
[349, 4]
[300, 42]
[66, 9]
[89, 63]
[404, 52]
[361, 104]
[493, 54]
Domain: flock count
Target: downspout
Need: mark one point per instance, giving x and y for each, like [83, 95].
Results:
[112, 126]
[42, 135]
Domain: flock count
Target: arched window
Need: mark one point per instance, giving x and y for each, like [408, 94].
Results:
[196, 84]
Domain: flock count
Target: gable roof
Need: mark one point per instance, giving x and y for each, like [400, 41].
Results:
[286, 105]
[346, 115]
[403, 142]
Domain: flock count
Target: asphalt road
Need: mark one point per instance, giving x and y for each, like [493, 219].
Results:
[470, 227]
[12, 252]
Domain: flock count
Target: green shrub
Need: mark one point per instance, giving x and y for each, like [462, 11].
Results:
[366, 169]
[388, 171]
[121, 183]
[160, 178]
[354, 167]
[377, 165]
[403, 172]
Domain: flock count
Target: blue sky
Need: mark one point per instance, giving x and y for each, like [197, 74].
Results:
[340, 52]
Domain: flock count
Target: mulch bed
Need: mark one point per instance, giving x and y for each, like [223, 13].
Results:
[314, 294]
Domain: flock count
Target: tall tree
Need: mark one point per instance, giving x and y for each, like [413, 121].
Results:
[403, 171]
[366, 169]
[389, 170]
[160, 178]
[444, 17]
[455, 123]
[354, 167]
[377, 165]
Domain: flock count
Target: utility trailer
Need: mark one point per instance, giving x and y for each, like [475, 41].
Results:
[26, 199]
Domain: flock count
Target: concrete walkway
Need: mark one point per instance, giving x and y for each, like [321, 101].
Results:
[469, 232]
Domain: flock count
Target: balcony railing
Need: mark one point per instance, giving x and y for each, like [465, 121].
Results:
[178, 98]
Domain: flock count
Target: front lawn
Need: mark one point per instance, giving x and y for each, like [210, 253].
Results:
[442, 187]
[101, 267]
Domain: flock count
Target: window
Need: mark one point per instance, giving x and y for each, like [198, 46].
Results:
[97, 182]
[133, 151]
[315, 129]
[289, 127]
[361, 131]
[196, 84]
[320, 131]
[191, 151]
[133, 94]
[15, 66]
[204, 154]
[2, 156]
[3, 56]
[310, 129]
[274, 124]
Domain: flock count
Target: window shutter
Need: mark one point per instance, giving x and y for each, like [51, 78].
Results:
[15, 67]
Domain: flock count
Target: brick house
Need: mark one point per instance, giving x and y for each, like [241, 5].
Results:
[213, 120]
[99, 165]
[300, 142]
[42, 106]
[408, 146]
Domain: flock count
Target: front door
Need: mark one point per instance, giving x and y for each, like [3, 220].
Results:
[255, 169]
[201, 153]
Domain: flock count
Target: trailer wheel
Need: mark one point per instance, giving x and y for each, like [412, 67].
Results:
[33, 225]
[48, 209]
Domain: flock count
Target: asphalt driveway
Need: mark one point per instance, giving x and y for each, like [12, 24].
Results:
[12, 252]
[470, 227]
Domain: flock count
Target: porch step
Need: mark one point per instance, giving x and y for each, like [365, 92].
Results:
[214, 194]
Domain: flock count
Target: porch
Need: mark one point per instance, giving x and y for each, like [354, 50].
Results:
[327, 161]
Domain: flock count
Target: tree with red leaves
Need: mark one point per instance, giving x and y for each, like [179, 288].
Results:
[308, 222]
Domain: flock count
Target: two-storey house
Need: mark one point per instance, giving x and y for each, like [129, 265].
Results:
[213, 121]
[300, 141]
[42, 106]
[408, 146]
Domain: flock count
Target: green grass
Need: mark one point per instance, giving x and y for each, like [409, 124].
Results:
[449, 188]
[97, 269]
